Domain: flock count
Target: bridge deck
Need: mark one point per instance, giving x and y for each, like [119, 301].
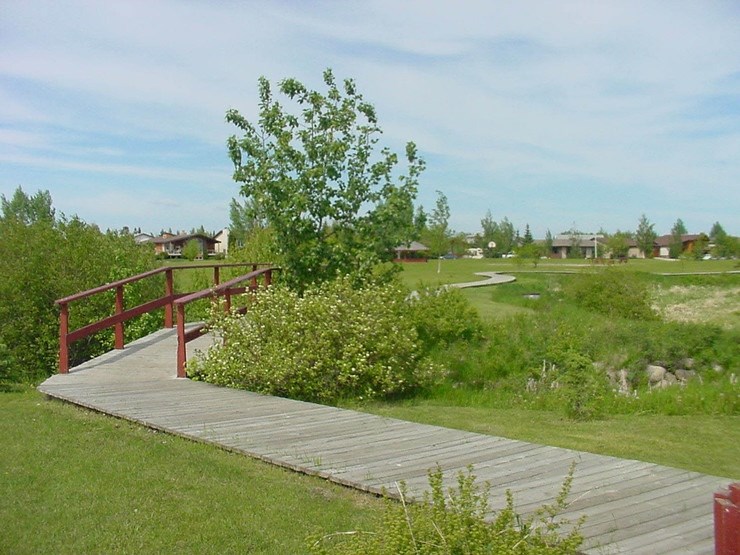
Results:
[631, 506]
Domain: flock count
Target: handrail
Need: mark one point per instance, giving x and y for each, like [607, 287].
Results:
[67, 337]
[226, 289]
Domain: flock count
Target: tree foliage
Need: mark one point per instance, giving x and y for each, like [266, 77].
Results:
[315, 176]
[502, 233]
[645, 236]
[618, 244]
[438, 232]
[677, 232]
[44, 258]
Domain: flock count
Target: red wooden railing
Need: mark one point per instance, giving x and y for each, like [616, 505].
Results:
[168, 301]
[727, 520]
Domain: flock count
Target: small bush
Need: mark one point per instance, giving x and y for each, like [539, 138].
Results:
[444, 316]
[611, 292]
[455, 521]
[334, 342]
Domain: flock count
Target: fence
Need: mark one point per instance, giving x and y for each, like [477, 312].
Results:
[169, 300]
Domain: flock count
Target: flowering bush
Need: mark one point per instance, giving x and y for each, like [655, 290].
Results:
[336, 341]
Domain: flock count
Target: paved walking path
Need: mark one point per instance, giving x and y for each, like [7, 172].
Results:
[494, 278]
[631, 506]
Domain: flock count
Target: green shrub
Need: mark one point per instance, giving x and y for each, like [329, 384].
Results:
[458, 521]
[444, 316]
[611, 292]
[191, 250]
[46, 259]
[336, 341]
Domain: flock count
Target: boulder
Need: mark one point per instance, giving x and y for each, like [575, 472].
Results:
[685, 375]
[669, 378]
[655, 373]
[688, 363]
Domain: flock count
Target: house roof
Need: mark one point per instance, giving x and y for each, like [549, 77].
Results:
[666, 240]
[583, 240]
[413, 246]
[182, 238]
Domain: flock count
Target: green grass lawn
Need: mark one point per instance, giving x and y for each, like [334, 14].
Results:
[74, 481]
[462, 270]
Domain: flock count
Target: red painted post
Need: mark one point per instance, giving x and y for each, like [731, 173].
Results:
[63, 345]
[268, 278]
[119, 310]
[253, 286]
[227, 300]
[727, 521]
[181, 345]
[169, 290]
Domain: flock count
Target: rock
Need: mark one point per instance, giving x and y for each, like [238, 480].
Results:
[655, 373]
[685, 375]
[669, 378]
[717, 368]
[688, 363]
[624, 383]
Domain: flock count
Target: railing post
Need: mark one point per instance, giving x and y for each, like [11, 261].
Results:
[727, 520]
[169, 291]
[268, 278]
[63, 345]
[181, 345]
[227, 300]
[216, 275]
[119, 310]
[253, 285]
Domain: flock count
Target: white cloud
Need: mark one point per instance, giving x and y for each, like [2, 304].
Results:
[526, 95]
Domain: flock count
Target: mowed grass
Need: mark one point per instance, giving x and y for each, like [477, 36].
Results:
[74, 481]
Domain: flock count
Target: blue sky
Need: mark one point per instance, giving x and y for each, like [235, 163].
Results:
[548, 113]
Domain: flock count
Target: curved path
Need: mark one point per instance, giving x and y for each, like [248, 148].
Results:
[632, 507]
[494, 278]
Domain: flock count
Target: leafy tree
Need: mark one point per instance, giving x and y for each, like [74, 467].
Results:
[438, 232]
[244, 217]
[548, 243]
[701, 246]
[505, 236]
[420, 221]
[676, 245]
[529, 251]
[191, 250]
[645, 236]
[332, 202]
[717, 232]
[725, 246]
[575, 243]
[28, 209]
[490, 229]
[527, 236]
[618, 244]
[43, 259]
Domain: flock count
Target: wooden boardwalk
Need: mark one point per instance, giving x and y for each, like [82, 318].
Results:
[631, 506]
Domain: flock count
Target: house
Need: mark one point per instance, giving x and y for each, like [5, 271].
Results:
[662, 244]
[172, 245]
[411, 252]
[588, 245]
[222, 247]
[142, 238]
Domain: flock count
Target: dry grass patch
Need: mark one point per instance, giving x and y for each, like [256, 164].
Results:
[699, 304]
